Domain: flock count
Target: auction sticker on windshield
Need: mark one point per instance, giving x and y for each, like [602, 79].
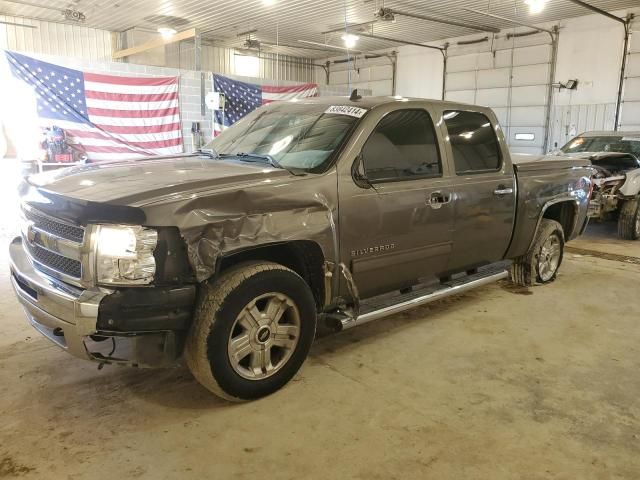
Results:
[346, 110]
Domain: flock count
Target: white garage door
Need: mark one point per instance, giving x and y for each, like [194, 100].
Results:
[511, 79]
[374, 75]
[630, 118]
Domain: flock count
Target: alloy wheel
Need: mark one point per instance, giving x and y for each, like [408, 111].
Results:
[264, 336]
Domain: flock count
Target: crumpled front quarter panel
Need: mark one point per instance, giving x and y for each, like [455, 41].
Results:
[216, 223]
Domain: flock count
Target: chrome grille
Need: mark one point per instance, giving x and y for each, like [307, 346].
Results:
[52, 261]
[58, 228]
[56, 247]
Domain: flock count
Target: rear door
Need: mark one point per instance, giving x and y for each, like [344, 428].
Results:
[484, 188]
[399, 230]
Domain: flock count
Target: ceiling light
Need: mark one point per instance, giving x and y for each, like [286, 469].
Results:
[166, 32]
[536, 6]
[268, 3]
[350, 40]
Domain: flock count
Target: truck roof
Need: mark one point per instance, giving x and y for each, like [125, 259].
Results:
[370, 102]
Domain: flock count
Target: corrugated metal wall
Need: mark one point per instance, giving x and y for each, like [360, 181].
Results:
[222, 60]
[55, 39]
[92, 44]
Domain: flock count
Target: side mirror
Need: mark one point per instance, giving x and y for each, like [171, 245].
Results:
[359, 174]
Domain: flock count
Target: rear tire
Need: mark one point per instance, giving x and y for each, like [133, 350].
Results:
[542, 262]
[629, 220]
[252, 330]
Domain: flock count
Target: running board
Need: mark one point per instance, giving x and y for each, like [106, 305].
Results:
[385, 305]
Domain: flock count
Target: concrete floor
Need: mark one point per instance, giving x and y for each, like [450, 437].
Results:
[496, 384]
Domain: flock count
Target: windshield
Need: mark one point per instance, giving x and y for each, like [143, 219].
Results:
[287, 135]
[605, 143]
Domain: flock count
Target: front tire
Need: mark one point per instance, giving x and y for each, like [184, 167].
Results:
[542, 262]
[629, 220]
[252, 330]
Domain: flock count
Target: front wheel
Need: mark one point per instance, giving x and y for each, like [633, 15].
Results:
[629, 220]
[252, 331]
[542, 262]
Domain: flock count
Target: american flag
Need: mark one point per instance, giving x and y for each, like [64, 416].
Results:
[106, 116]
[242, 98]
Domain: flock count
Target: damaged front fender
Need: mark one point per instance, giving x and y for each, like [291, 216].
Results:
[214, 224]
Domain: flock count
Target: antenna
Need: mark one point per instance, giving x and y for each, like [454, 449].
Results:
[354, 95]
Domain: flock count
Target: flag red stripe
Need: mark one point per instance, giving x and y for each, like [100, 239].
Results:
[96, 149]
[132, 97]
[104, 112]
[288, 89]
[140, 81]
[169, 127]
[172, 142]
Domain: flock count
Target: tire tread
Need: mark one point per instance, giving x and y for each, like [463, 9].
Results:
[213, 296]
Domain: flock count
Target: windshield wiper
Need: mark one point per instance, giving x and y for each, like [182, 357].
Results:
[272, 161]
[210, 152]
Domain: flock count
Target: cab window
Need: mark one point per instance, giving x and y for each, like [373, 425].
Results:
[473, 141]
[402, 147]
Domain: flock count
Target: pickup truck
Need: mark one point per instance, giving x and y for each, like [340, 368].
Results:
[340, 210]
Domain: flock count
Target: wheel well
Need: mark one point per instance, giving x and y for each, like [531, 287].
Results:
[302, 256]
[564, 213]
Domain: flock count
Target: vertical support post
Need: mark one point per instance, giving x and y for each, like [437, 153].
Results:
[445, 53]
[555, 38]
[197, 66]
[327, 71]
[623, 68]
[393, 57]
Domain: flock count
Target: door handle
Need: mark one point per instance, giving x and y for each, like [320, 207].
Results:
[437, 199]
[502, 190]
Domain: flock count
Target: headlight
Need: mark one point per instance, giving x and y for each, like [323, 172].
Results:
[125, 255]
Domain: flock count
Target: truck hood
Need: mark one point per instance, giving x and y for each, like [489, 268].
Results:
[140, 182]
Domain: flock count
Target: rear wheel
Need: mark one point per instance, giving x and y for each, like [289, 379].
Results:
[542, 262]
[629, 220]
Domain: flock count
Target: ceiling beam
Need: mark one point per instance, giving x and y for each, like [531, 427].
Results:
[331, 47]
[599, 10]
[350, 27]
[429, 18]
[397, 40]
[508, 19]
[155, 43]
[18, 24]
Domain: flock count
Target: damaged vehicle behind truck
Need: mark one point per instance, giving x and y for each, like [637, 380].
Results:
[616, 194]
[335, 210]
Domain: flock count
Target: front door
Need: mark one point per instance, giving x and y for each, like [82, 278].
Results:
[484, 188]
[400, 229]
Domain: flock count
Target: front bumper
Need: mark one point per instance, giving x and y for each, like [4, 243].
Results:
[64, 314]
[69, 317]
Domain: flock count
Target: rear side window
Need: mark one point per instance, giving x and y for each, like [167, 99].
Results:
[402, 147]
[473, 141]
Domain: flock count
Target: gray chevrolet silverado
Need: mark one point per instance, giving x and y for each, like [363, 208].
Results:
[333, 209]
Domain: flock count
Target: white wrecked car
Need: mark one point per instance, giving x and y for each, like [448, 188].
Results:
[616, 183]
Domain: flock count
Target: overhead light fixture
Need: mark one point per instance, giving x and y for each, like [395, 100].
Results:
[268, 3]
[536, 6]
[166, 32]
[350, 40]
